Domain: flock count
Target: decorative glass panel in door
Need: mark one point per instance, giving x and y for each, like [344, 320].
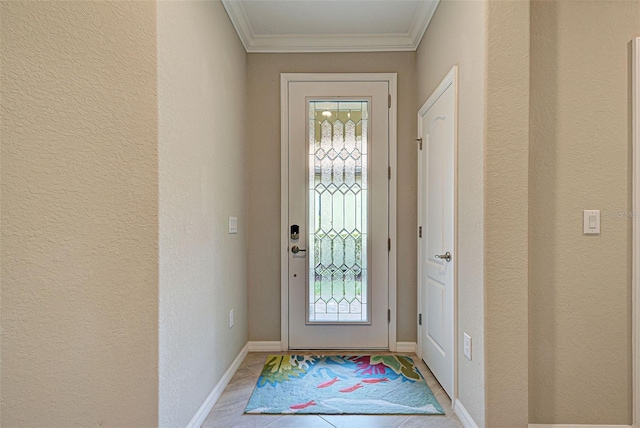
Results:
[338, 288]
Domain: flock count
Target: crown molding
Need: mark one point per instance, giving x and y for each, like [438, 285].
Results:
[254, 43]
[240, 21]
[421, 21]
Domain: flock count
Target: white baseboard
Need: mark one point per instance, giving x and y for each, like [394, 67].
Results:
[213, 397]
[274, 346]
[465, 417]
[406, 347]
[576, 426]
[265, 346]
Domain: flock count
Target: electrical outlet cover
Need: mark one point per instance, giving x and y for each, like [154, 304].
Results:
[467, 346]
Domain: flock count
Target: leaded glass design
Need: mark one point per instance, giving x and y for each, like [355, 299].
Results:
[338, 203]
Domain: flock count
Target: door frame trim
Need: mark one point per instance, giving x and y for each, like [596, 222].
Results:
[285, 79]
[635, 202]
[451, 79]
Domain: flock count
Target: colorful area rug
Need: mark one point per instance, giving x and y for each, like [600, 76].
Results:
[363, 385]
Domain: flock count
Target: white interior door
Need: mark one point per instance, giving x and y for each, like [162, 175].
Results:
[338, 219]
[436, 261]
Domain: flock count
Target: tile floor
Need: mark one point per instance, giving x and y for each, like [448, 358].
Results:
[229, 410]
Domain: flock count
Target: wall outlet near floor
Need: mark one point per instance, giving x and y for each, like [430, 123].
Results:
[231, 318]
[467, 346]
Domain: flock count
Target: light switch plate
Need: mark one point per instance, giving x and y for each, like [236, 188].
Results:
[467, 346]
[233, 224]
[591, 222]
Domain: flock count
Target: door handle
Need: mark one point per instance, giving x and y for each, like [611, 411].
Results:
[446, 256]
[296, 250]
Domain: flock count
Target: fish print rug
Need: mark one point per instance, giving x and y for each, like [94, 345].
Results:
[330, 385]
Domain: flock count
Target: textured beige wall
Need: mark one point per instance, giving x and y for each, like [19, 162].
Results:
[1, 133]
[456, 36]
[79, 214]
[203, 170]
[506, 214]
[264, 178]
[580, 295]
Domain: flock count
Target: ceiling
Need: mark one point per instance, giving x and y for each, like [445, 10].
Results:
[330, 25]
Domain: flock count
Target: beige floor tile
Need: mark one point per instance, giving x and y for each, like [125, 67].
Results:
[239, 421]
[444, 401]
[364, 421]
[246, 385]
[227, 410]
[453, 416]
[300, 421]
[256, 368]
[256, 358]
[243, 373]
[253, 357]
[236, 394]
[430, 422]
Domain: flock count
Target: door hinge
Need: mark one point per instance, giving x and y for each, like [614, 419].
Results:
[419, 319]
[389, 173]
[389, 100]
[420, 232]
[419, 141]
[389, 244]
[389, 315]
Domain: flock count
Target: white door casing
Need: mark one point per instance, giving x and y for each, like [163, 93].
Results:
[298, 91]
[635, 289]
[437, 246]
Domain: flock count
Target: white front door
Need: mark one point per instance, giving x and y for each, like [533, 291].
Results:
[436, 187]
[338, 220]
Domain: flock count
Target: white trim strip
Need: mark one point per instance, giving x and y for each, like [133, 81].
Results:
[635, 272]
[238, 16]
[393, 211]
[465, 417]
[284, 211]
[407, 347]
[576, 426]
[448, 80]
[213, 397]
[274, 346]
